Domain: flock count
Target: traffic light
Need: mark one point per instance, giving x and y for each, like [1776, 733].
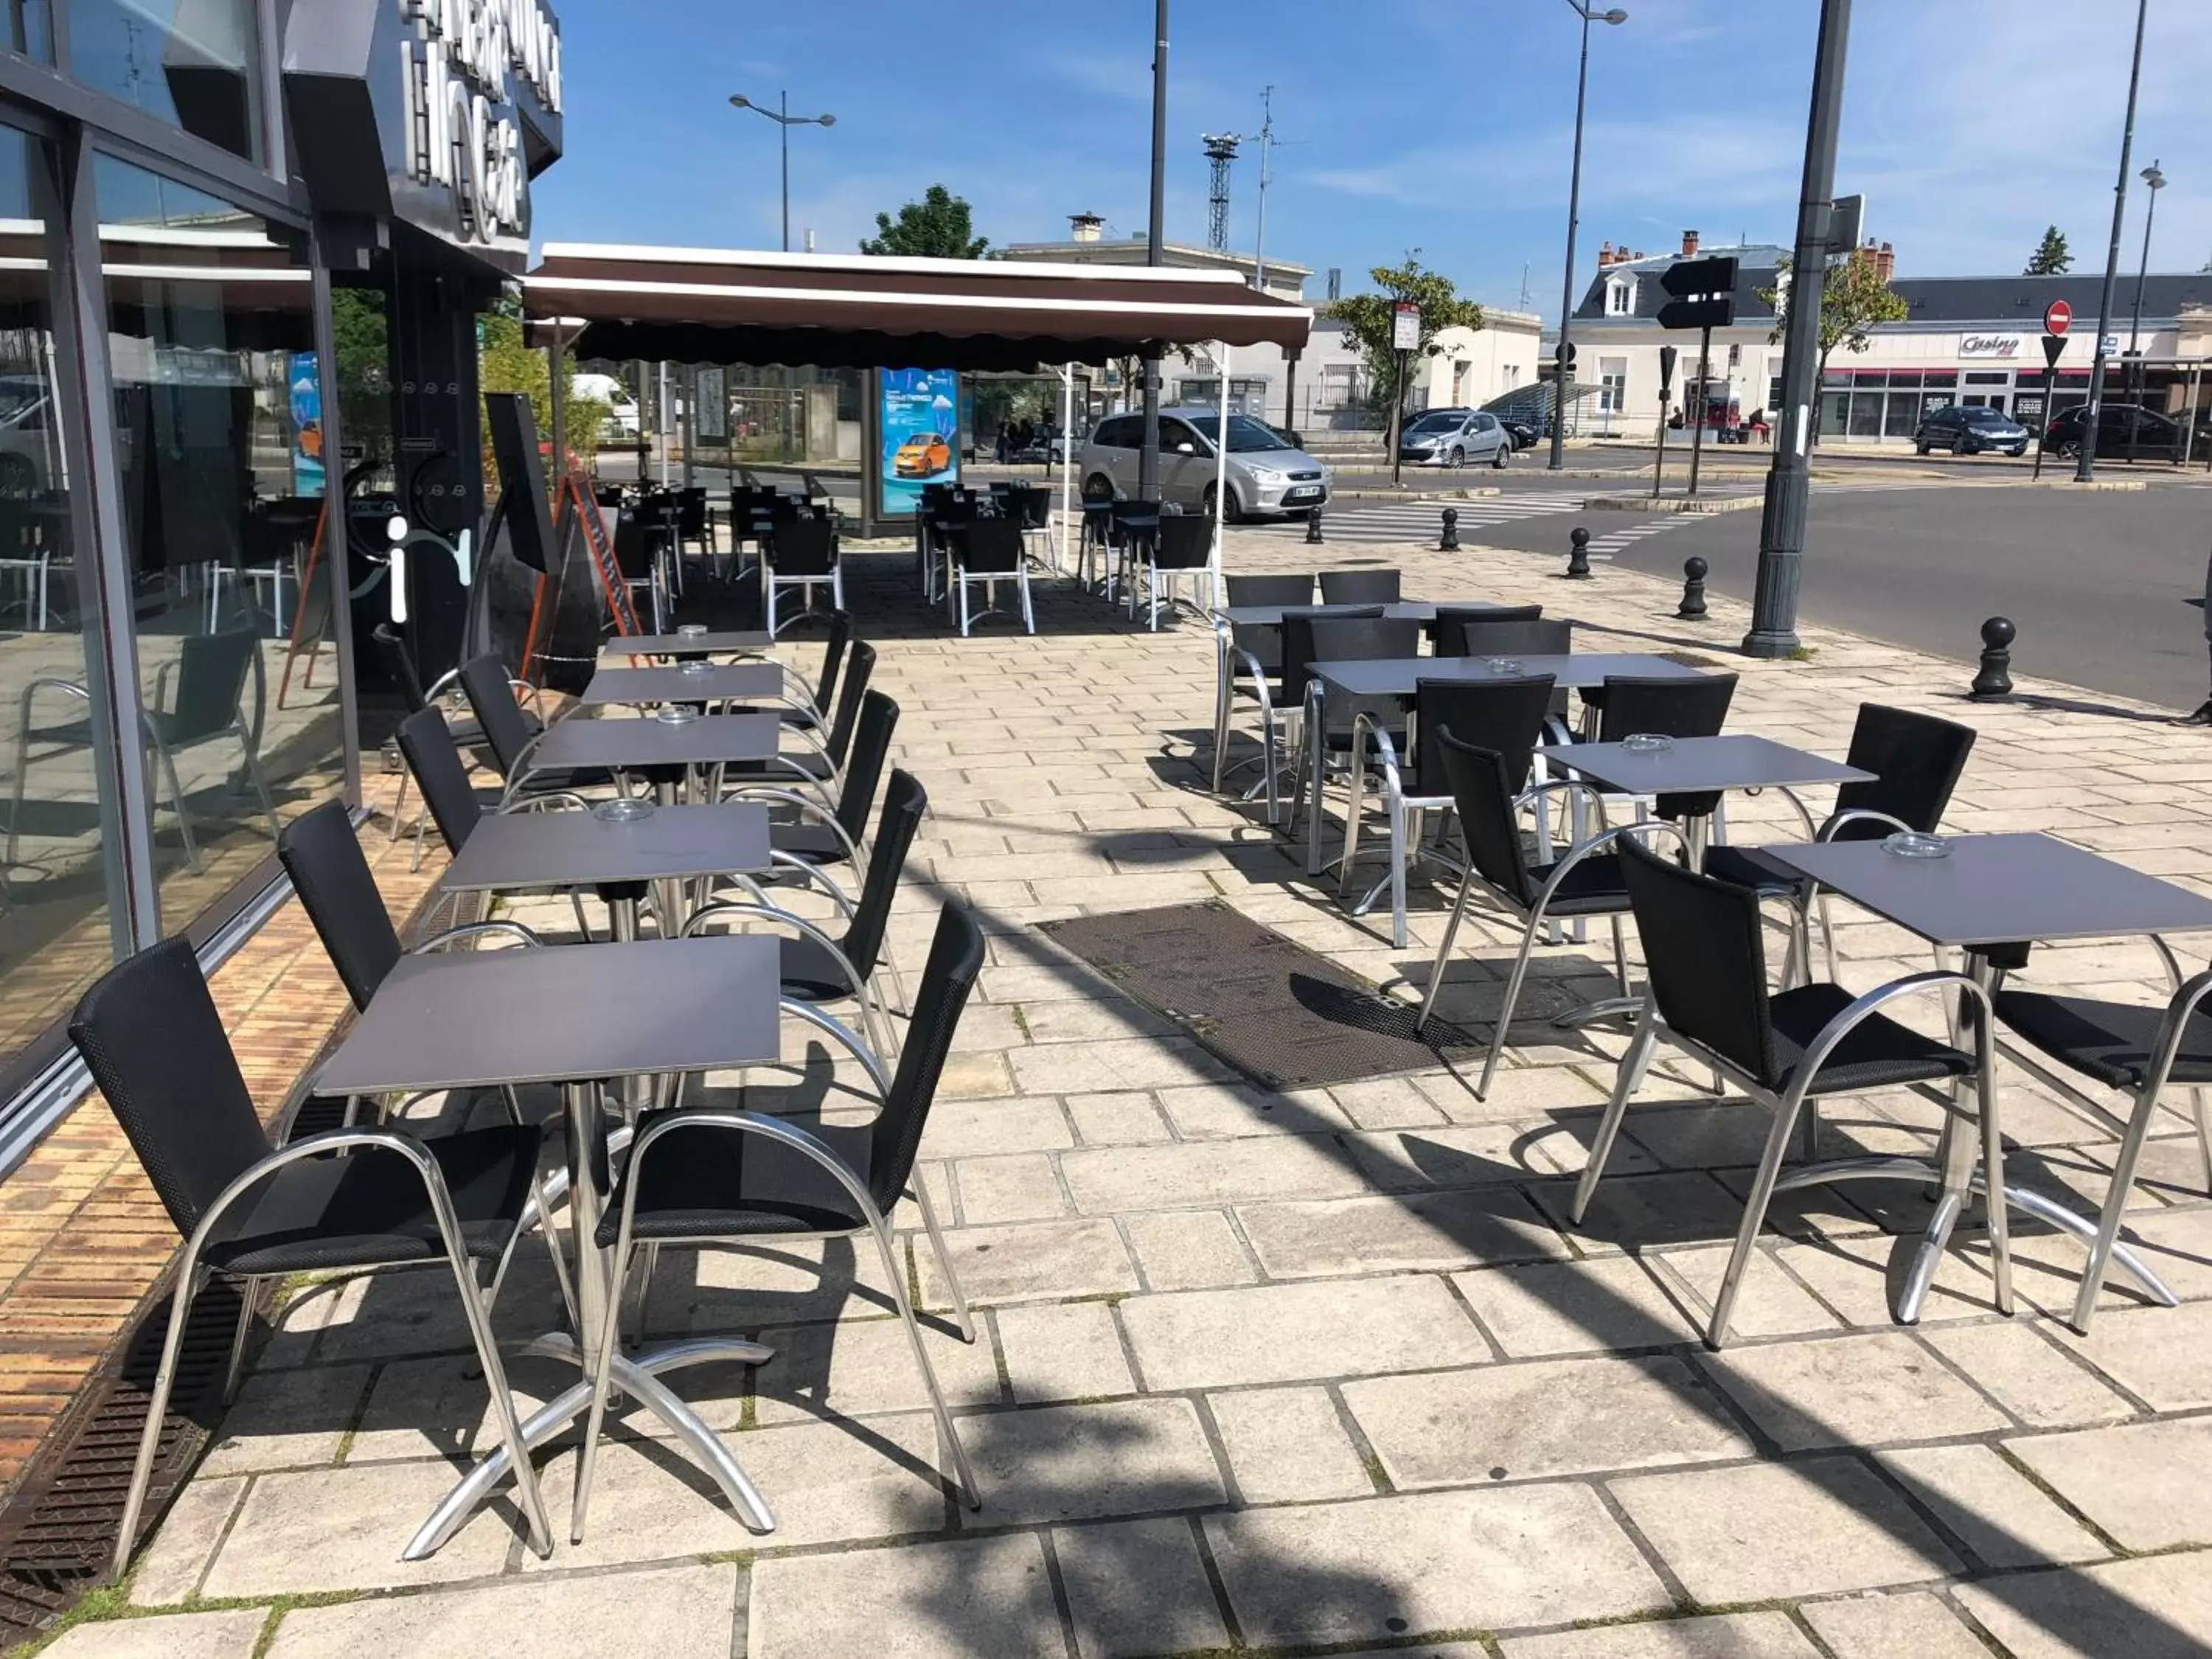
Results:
[1704, 292]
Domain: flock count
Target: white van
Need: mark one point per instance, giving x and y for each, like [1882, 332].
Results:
[621, 418]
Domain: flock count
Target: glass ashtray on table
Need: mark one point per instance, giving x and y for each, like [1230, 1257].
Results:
[676, 713]
[625, 809]
[1647, 743]
[696, 665]
[1912, 844]
[1504, 664]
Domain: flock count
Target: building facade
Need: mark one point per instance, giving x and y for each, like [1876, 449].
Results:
[1964, 339]
[248, 242]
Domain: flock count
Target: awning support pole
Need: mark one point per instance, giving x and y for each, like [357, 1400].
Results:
[1066, 461]
[1220, 473]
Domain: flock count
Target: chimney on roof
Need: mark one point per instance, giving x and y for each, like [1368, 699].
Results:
[1689, 245]
[1084, 227]
[1885, 262]
[1604, 255]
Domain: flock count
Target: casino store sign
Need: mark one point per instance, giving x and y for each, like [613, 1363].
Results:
[2004, 346]
[460, 64]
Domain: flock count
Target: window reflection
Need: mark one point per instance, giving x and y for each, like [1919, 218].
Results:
[218, 417]
[61, 908]
[195, 64]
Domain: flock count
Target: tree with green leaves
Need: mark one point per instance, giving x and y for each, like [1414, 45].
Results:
[2050, 258]
[506, 364]
[938, 226]
[1854, 297]
[1368, 318]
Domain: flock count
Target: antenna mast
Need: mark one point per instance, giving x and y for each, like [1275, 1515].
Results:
[1267, 142]
[1221, 150]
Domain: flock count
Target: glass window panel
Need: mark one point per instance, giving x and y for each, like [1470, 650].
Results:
[1835, 407]
[1904, 415]
[1947, 378]
[1866, 414]
[1897, 378]
[26, 26]
[1836, 379]
[218, 418]
[1988, 377]
[64, 919]
[195, 64]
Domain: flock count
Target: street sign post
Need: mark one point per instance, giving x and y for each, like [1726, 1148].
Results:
[1701, 404]
[1405, 326]
[2054, 345]
[1703, 292]
[1404, 340]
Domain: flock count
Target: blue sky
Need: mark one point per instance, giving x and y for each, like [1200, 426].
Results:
[1969, 126]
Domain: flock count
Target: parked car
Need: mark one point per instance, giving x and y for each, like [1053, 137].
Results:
[1523, 432]
[1968, 430]
[1266, 475]
[1453, 437]
[2124, 432]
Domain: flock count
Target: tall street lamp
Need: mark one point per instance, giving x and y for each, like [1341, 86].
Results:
[785, 121]
[2154, 181]
[1581, 9]
[2086, 468]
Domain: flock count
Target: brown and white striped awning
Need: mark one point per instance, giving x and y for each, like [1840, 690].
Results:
[707, 306]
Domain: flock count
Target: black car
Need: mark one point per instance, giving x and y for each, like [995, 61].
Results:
[1523, 432]
[2124, 432]
[1968, 430]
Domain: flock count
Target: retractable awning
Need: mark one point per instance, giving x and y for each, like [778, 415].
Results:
[709, 306]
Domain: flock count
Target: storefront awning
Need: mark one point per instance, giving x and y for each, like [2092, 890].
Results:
[703, 305]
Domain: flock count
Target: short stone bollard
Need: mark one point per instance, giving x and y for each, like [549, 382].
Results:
[1449, 543]
[1578, 558]
[1994, 680]
[1313, 526]
[1694, 589]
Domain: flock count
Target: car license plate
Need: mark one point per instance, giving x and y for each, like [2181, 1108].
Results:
[1303, 493]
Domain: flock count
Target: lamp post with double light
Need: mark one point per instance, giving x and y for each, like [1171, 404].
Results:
[785, 120]
[1582, 10]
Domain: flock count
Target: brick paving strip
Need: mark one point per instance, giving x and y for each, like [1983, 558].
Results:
[1321, 1369]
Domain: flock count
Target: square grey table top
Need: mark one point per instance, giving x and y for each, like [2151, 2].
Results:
[564, 1013]
[523, 852]
[620, 741]
[725, 642]
[1267, 615]
[719, 682]
[1730, 760]
[1397, 677]
[2001, 889]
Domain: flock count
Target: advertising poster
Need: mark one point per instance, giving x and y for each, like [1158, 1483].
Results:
[303, 377]
[921, 429]
[713, 401]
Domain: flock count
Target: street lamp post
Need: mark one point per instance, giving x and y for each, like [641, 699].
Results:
[2086, 468]
[1581, 9]
[2154, 181]
[785, 120]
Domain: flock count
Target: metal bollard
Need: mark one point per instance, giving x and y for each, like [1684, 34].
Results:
[1694, 589]
[1313, 526]
[1578, 560]
[1994, 680]
[1449, 541]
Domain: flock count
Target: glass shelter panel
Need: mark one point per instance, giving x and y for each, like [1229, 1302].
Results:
[63, 910]
[218, 418]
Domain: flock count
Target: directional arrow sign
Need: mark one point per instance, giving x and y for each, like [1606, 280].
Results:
[1703, 293]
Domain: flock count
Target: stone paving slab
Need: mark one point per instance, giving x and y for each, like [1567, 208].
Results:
[1329, 1367]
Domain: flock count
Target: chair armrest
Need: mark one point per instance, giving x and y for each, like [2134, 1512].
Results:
[814, 878]
[568, 799]
[336, 1140]
[474, 930]
[1583, 849]
[47, 683]
[1858, 815]
[833, 1028]
[761, 910]
[777, 1129]
[1824, 1044]
[812, 808]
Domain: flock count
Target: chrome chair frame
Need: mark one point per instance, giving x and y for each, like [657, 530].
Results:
[1227, 668]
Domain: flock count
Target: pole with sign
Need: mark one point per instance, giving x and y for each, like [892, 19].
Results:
[2057, 318]
[1665, 389]
[1404, 340]
[1704, 404]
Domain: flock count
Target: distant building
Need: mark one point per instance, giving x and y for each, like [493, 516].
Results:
[1966, 339]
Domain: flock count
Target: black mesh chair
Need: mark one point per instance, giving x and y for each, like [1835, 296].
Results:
[638, 542]
[743, 1178]
[351, 1199]
[510, 735]
[1505, 716]
[1584, 881]
[1512, 635]
[818, 836]
[1359, 588]
[818, 967]
[1131, 527]
[1030, 506]
[988, 552]
[1704, 954]
[1183, 546]
[1916, 760]
[825, 766]
[399, 668]
[801, 552]
[1248, 663]
[2136, 1050]
[1675, 708]
[1448, 632]
[1308, 638]
[199, 697]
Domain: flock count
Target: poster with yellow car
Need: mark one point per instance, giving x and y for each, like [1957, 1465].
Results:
[919, 410]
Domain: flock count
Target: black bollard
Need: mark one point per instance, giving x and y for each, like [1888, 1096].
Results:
[1313, 526]
[1995, 681]
[1450, 543]
[1694, 589]
[1578, 560]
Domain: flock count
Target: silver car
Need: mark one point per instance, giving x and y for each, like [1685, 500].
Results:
[1453, 437]
[1265, 474]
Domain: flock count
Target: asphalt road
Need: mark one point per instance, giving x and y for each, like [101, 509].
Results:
[2099, 585]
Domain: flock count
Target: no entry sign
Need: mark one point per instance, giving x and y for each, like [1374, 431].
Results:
[2058, 317]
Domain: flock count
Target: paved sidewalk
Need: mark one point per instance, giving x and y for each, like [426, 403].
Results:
[1321, 1370]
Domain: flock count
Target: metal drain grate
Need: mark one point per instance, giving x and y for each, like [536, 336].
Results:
[1285, 1015]
[58, 1531]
